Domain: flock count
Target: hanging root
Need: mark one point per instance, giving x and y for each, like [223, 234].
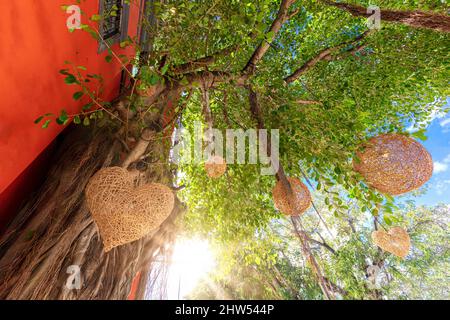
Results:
[55, 230]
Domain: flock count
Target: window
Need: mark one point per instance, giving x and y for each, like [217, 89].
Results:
[113, 28]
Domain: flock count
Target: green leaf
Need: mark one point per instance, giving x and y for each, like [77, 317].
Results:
[63, 118]
[420, 135]
[164, 69]
[38, 119]
[387, 220]
[108, 58]
[70, 79]
[86, 121]
[87, 106]
[124, 44]
[270, 35]
[184, 81]
[96, 17]
[77, 120]
[46, 124]
[375, 212]
[154, 79]
[78, 95]
[91, 31]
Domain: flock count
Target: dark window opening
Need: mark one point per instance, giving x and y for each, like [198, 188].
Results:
[111, 24]
[113, 28]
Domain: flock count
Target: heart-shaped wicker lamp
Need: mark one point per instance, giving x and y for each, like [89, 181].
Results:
[395, 241]
[394, 164]
[122, 212]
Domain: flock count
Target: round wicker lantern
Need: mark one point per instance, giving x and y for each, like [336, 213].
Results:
[295, 204]
[394, 164]
[215, 167]
[395, 241]
[122, 212]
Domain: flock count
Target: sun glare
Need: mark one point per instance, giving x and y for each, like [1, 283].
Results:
[192, 260]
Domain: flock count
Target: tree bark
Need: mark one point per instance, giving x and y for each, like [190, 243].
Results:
[55, 229]
[415, 19]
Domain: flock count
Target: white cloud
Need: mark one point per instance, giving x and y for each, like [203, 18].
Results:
[442, 186]
[440, 167]
[447, 159]
[445, 125]
[445, 122]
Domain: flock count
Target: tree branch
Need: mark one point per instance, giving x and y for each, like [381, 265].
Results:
[202, 62]
[323, 244]
[140, 148]
[335, 287]
[308, 102]
[207, 114]
[322, 55]
[281, 176]
[314, 205]
[256, 113]
[415, 19]
[324, 285]
[258, 54]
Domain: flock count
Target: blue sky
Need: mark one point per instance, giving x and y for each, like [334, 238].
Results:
[438, 144]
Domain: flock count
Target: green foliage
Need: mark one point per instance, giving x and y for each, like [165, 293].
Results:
[393, 77]
[381, 83]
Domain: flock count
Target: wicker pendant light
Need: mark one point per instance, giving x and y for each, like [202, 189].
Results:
[395, 241]
[122, 212]
[295, 204]
[394, 164]
[215, 167]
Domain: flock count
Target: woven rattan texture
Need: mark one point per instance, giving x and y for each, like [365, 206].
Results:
[299, 201]
[394, 164]
[122, 212]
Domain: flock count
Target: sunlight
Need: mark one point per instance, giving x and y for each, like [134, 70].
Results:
[192, 259]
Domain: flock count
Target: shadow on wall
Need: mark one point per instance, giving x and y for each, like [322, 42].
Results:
[27, 183]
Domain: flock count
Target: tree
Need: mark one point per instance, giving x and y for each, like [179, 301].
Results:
[306, 68]
[273, 266]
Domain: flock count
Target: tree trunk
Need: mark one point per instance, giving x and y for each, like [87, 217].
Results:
[415, 19]
[55, 229]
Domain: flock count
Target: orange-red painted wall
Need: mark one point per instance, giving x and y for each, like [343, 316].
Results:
[134, 287]
[35, 42]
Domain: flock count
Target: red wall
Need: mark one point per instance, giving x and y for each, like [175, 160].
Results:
[134, 287]
[35, 42]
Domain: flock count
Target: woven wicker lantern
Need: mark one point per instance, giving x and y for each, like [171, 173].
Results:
[395, 241]
[215, 166]
[298, 202]
[122, 212]
[394, 164]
